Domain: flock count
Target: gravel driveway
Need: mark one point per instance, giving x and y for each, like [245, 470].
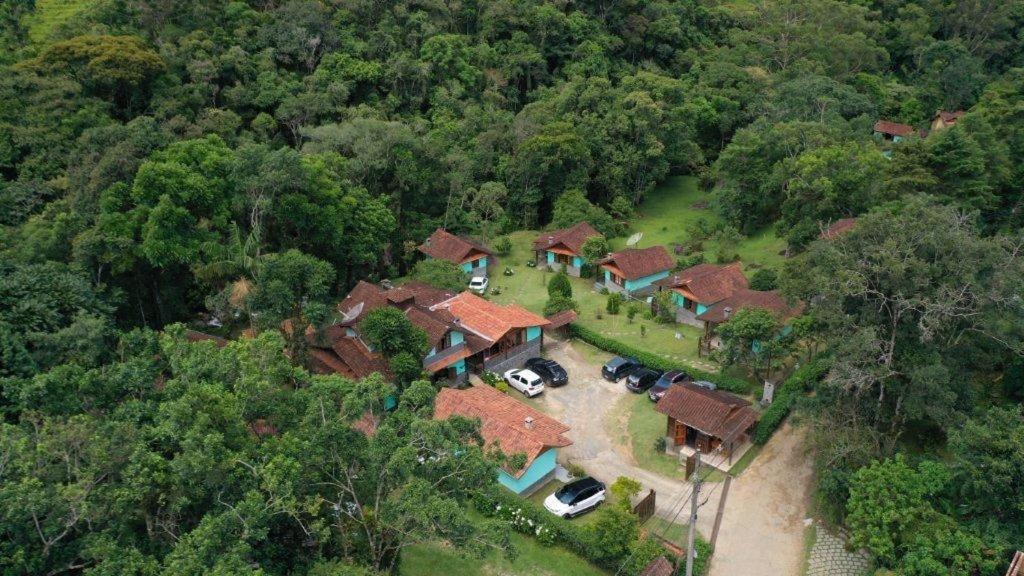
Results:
[587, 405]
[762, 526]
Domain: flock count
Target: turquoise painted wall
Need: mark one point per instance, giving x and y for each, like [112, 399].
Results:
[551, 257]
[701, 309]
[646, 281]
[460, 366]
[607, 276]
[577, 261]
[532, 333]
[541, 467]
[467, 267]
[678, 299]
[457, 337]
[481, 263]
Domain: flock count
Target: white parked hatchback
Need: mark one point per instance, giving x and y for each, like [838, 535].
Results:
[526, 381]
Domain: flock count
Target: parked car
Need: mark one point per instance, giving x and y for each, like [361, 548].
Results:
[478, 284]
[641, 379]
[666, 381]
[705, 384]
[576, 498]
[550, 371]
[526, 381]
[617, 368]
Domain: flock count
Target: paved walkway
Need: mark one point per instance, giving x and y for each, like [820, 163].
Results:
[587, 405]
[829, 557]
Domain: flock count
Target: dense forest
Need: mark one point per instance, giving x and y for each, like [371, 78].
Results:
[250, 161]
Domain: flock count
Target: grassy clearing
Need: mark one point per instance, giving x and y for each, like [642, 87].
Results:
[645, 427]
[49, 15]
[675, 533]
[532, 559]
[671, 210]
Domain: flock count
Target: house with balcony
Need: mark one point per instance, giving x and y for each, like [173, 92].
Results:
[564, 248]
[465, 333]
[697, 288]
[472, 257]
[634, 271]
[511, 426]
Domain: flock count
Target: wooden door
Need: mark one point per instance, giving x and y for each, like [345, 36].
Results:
[679, 434]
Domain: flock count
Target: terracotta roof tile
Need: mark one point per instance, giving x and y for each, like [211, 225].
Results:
[572, 237]
[561, 319]
[660, 566]
[487, 319]
[838, 227]
[893, 128]
[367, 424]
[503, 421]
[196, 336]
[637, 263]
[417, 293]
[745, 298]
[360, 300]
[444, 245]
[950, 117]
[1016, 565]
[707, 283]
[430, 322]
[714, 412]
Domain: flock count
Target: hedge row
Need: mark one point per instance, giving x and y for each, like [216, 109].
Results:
[496, 502]
[798, 382]
[730, 383]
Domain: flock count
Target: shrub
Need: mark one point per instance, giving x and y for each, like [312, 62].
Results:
[691, 260]
[660, 444]
[791, 388]
[576, 470]
[764, 279]
[503, 246]
[614, 303]
[491, 379]
[559, 285]
[666, 308]
[560, 303]
[632, 310]
[651, 360]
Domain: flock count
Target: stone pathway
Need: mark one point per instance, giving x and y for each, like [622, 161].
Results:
[829, 557]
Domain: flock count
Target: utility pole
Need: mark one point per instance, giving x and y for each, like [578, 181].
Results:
[693, 517]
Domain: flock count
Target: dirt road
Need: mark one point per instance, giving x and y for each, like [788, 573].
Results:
[762, 530]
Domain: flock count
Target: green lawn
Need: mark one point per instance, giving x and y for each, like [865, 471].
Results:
[51, 14]
[645, 427]
[532, 559]
[665, 217]
[675, 533]
[671, 210]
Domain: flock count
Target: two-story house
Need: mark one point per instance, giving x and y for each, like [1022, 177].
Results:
[635, 271]
[465, 333]
[469, 255]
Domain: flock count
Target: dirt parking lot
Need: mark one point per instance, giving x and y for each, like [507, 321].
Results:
[762, 526]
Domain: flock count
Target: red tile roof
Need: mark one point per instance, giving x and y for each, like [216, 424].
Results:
[360, 300]
[637, 263]
[1016, 565]
[417, 293]
[430, 322]
[195, 336]
[571, 238]
[444, 245]
[367, 424]
[707, 283]
[713, 412]
[838, 227]
[561, 319]
[262, 428]
[503, 421]
[950, 117]
[487, 319]
[742, 298]
[660, 566]
[893, 128]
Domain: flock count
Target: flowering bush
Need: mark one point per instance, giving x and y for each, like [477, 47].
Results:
[521, 522]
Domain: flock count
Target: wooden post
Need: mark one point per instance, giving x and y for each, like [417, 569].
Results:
[691, 465]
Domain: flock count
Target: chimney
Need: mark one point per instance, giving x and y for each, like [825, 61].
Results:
[728, 312]
[529, 422]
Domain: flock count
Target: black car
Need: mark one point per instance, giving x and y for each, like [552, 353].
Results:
[641, 379]
[618, 367]
[550, 371]
[666, 381]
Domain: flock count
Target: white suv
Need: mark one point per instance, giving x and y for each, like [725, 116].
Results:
[526, 381]
[478, 284]
[576, 498]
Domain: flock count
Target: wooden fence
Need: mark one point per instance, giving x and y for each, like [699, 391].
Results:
[644, 509]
